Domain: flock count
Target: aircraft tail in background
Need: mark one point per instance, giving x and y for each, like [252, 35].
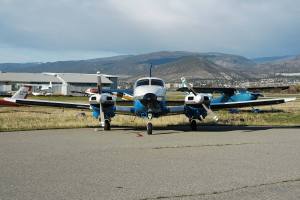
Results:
[22, 93]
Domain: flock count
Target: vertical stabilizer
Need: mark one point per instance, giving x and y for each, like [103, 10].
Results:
[22, 92]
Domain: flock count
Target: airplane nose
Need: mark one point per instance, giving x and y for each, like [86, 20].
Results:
[150, 97]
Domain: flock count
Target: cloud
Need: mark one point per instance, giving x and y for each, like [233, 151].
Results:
[250, 28]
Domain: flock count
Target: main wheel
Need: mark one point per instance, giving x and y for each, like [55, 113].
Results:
[106, 125]
[193, 125]
[149, 128]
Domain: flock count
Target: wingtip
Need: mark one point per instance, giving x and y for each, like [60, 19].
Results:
[290, 99]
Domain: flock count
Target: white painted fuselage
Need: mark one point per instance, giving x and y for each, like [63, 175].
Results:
[150, 85]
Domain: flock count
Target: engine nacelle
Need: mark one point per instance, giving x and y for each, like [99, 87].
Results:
[104, 99]
[201, 98]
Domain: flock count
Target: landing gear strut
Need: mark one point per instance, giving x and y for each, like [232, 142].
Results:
[149, 124]
[193, 124]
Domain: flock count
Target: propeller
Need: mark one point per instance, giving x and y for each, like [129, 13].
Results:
[99, 86]
[210, 113]
[188, 85]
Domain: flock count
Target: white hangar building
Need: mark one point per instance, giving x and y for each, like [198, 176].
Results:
[62, 83]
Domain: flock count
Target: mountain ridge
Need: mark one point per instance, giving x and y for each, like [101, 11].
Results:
[170, 64]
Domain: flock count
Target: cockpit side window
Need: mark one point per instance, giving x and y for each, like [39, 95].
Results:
[157, 82]
[142, 82]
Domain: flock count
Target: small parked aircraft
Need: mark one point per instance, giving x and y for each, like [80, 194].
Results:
[232, 94]
[150, 102]
[22, 93]
[43, 90]
[124, 94]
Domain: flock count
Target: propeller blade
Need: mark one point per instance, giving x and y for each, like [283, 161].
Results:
[210, 113]
[101, 119]
[99, 86]
[99, 83]
[188, 85]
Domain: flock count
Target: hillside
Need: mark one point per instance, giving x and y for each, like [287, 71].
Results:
[167, 64]
[286, 65]
[194, 67]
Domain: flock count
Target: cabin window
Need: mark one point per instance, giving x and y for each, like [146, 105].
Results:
[157, 82]
[142, 82]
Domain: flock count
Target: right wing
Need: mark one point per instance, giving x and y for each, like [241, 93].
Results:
[240, 104]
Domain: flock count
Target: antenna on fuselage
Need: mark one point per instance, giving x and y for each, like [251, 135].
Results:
[150, 70]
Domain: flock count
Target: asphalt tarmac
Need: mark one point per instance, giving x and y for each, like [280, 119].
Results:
[212, 163]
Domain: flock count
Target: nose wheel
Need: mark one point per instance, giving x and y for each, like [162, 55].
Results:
[149, 128]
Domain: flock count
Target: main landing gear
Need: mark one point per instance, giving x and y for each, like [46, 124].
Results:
[193, 124]
[106, 125]
[149, 128]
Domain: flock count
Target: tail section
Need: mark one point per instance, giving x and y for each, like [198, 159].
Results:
[22, 93]
[183, 82]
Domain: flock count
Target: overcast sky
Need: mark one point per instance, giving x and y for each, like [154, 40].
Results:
[44, 30]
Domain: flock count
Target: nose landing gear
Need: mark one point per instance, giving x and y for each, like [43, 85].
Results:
[149, 128]
[149, 124]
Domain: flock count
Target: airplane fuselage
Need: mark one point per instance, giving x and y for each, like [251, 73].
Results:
[149, 97]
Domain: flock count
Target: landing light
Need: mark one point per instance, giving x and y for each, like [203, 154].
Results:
[159, 98]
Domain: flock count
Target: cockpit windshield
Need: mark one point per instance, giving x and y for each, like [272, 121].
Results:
[157, 82]
[142, 82]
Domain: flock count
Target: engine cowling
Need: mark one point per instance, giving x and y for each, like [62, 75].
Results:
[198, 99]
[107, 103]
[104, 99]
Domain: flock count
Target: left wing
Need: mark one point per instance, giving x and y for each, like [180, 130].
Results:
[241, 104]
[48, 103]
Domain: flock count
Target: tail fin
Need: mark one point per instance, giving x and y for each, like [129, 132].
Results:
[183, 82]
[22, 92]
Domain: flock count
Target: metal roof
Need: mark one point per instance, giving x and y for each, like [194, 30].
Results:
[81, 78]
[51, 77]
[27, 77]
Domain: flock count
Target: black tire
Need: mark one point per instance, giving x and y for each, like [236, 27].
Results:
[193, 125]
[106, 125]
[149, 128]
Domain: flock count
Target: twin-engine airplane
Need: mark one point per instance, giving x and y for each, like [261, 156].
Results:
[149, 101]
[233, 94]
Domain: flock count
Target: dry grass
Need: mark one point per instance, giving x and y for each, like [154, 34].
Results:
[28, 118]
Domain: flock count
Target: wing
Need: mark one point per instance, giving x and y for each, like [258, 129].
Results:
[171, 110]
[241, 104]
[125, 110]
[49, 103]
[228, 91]
[255, 89]
[175, 110]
